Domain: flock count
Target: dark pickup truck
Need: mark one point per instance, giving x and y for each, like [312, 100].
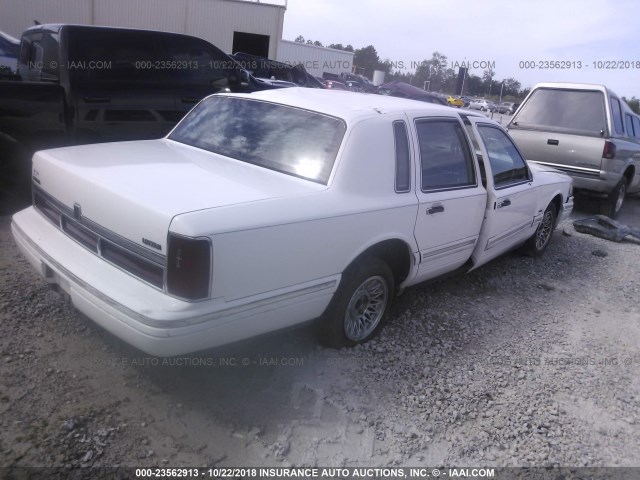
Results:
[86, 84]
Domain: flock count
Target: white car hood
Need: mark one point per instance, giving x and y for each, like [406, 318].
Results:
[135, 189]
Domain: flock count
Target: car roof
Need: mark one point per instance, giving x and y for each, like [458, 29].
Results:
[350, 106]
[9, 38]
[575, 86]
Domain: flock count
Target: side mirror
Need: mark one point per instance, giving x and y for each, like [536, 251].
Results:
[244, 78]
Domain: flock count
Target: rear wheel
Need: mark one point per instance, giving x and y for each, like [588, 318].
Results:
[612, 205]
[359, 308]
[537, 244]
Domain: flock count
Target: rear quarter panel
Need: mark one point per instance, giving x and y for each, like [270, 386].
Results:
[283, 242]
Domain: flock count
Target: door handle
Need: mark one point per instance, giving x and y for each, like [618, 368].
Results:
[552, 141]
[504, 203]
[436, 209]
[97, 99]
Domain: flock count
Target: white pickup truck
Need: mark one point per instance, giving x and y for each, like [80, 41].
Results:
[262, 211]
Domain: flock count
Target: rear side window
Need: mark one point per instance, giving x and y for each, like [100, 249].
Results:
[573, 110]
[617, 115]
[192, 60]
[445, 156]
[114, 56]
[629, 122]
[636, 126]
[403, 159]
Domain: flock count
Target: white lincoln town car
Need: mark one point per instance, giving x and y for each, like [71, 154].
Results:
[261, 211]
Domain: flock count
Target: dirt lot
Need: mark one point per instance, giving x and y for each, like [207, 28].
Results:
[523, 362]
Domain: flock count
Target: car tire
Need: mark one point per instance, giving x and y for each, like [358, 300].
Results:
[612, 205]
[359, 308]
[538, 242]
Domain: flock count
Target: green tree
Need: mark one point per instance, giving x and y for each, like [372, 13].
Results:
[634, 104]
[511, 87]
[299, 39]
[367, 59]
[433, 71]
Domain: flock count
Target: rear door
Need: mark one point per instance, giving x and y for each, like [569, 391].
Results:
[451, 198]
[511, 205]
[563, 128]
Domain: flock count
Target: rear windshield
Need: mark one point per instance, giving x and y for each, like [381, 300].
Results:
[578, 110]
[286, 139]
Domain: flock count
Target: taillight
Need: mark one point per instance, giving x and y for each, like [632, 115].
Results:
[188, 267]
[609, 150]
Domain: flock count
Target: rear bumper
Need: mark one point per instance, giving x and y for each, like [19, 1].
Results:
[145, 317]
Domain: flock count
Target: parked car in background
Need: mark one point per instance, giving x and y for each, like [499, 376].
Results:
[358, 82]
[9, 50]
[482, 104]
[268, 70]
[587, 131]
[404, 90]
[353, 86]
[507, 107]
[454, 101]
[334, 85]
[267, 210]
[466, 101]
[85, 84]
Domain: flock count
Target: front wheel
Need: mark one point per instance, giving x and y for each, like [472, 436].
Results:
[537, 244]
[359, 308]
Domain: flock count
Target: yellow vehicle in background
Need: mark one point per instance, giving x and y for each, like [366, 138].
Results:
[455, 101]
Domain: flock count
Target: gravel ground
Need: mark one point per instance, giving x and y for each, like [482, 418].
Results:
[524, 362]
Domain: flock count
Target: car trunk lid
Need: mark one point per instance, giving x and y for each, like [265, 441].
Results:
[135, 189]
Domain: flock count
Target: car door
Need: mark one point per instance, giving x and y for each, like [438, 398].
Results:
[451, 197]
[511, 205]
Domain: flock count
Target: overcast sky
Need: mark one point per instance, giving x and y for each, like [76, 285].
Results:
[506, 32]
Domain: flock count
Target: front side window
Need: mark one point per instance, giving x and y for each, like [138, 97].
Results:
[39, 55]
[445, 157]
[507, 165]
[278, 137]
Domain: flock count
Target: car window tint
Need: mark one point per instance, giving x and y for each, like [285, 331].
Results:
[445, 156]
[282, 138]
[40, 54]
[629, 122]
[101, 55]
[403, 159]
[617, 115]
[581, 110]
[636, 126]
[507, 165]
[194, 60]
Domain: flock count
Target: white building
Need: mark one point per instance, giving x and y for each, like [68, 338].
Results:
[316, 60]
[250, 26]
[231, 25]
